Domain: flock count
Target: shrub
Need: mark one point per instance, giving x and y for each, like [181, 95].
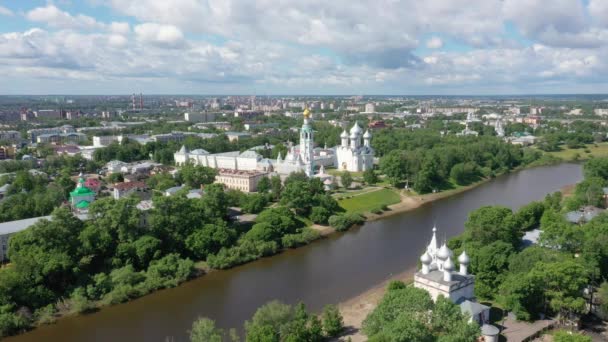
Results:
[245, 251]
[344, 221]
[565, 336]
[46, 314]
[79, 303]
[306, 236]
[376, 210]
[320, 215]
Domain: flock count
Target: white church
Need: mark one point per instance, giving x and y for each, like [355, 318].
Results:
[354, 154]
[439, 277]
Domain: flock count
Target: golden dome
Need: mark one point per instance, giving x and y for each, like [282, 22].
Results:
[306, 113]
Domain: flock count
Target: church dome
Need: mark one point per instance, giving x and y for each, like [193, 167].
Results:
[444, 252]
[367, 135]
[426, 258]
[464, 258]
[344, 135]
[448, 264]
[356, 129]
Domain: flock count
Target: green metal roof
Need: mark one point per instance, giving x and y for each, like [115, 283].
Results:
[82, 205]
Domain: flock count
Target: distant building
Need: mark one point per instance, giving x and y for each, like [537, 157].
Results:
[377, 124]
[6, 152]
[72, 137]
[500, 131]
[105, 140]
[128, 188]
[199, 117]
[10, 136]
[82, 197]
[173, 136]
[583, 215]
[245, 181]
[34, 133]
[108, 114]
[252, 126]
[236, 136]
[601, 111]
[370, 108]
[48, 114]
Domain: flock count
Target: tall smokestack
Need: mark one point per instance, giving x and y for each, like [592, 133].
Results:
[141, 101]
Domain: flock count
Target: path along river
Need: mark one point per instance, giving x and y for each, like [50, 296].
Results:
[331, 270]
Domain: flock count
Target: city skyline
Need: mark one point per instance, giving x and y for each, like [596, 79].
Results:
[304, 47]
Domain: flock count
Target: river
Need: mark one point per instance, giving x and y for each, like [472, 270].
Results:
[331, 270]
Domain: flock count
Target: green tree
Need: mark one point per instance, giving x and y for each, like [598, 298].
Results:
[347, 179]
[492, 223]
[370, 177]
[210, 239]
[204, 330]
[489, 263]
[332, 321]
[195, 175]
[264, 185]
[276, 187]
[394, 166]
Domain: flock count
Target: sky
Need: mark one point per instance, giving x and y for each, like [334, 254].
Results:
[325, 47]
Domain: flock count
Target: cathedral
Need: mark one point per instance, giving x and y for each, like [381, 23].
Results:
[353, 155]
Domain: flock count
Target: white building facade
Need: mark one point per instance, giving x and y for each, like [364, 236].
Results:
[355, 153]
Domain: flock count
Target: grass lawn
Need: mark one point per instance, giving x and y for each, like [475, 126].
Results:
[601, 150]
[366, 202]
[336, 172]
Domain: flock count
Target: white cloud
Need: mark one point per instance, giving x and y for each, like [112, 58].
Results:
[598, 10]
[56, 18]
[160, 35]
[318, 45]
[434, 43]
[120, 28]
[5, 11]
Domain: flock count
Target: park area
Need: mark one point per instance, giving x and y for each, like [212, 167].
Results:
[365, 202]
[572, 154]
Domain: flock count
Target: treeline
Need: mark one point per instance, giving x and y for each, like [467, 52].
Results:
[36, 190]
[429, 162]
[548, 278]
[31, 195]
[406, 313]
[275, 322]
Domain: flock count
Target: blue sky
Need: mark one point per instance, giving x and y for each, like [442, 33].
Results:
[303, 47]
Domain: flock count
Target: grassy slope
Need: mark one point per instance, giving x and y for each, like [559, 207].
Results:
[568, 154]
[368, 201]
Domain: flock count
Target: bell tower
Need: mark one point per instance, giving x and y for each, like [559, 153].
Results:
[307, 144]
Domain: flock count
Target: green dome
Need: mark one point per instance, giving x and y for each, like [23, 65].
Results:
[81, 190]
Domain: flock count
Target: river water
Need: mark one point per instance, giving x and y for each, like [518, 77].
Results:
[328, 271]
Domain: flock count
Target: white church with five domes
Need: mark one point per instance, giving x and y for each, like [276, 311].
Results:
[439, 277]
[355, 152]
